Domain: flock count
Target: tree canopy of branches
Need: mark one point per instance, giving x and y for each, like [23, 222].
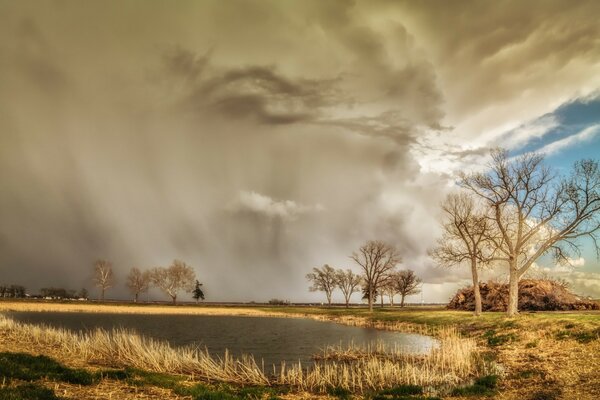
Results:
[138, 282]
[323, 280]
[407, 283]
[197, 293]
[348, 282]
[377, 259]
[464, 239]
[103, 276]
[535, 212]
[177, 277]
[389, 288]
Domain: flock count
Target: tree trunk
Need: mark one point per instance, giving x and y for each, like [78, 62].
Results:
[382, 301]
[370, 302]
[402, 299]
[347, 301]
[476, 291]
[102, 295]
[513, 291]
[328, 299]
[174, 299]
[392, 301]
[135, 300]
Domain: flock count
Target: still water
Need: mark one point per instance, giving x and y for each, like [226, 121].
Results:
[271, 339]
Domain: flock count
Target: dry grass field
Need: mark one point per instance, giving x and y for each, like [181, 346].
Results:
[546, 355]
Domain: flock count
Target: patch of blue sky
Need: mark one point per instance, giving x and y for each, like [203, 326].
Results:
[569, 133]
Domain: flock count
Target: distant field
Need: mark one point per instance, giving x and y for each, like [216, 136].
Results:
[127, 308]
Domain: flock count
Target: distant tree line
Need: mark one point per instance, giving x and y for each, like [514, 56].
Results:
[61, 293]
[12, 291]
[379, 276]
[172, 280]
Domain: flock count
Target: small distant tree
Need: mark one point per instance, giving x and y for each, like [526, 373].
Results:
[407, 284]
[83, 293]
[197, 292]
[103, 276]
[138, 282]
[389, 289]
[179, 276]
[323, 280]
[377, 259]
[348, 282]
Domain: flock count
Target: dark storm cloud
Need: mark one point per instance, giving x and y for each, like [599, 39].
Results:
[252, 139]
[257, 92]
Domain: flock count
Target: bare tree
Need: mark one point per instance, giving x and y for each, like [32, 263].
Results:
[103, 276]
[348, 282]
[464, 239]
[323, 280]
[179, 276]
[377, 259]
[536, 212]
[138, 282]
[389, 288]
[407, 283]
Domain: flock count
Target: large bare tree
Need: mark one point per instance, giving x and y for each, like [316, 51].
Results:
[177, 277]
[137, 282]
[103, 276]
[407, 283]
[323, 280]
[537, 212]
[377, 259]
[464, 240]
[348, 282]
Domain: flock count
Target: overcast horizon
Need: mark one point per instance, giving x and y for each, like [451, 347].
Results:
[255, 140]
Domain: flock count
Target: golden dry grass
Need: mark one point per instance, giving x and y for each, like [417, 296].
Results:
[49, 306]
[455, 361]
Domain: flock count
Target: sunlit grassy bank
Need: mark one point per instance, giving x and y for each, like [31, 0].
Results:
[544, 355]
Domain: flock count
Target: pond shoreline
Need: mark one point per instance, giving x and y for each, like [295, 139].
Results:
[213, 310]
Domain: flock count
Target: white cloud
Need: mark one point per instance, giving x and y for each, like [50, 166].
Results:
[531, 130]
[582, 136]
[261, 204]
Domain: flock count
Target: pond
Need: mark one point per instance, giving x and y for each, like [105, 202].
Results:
[271, 339]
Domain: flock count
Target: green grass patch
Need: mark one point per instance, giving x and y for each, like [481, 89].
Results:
[484, 386]
[144, 378]
[495, 339]
[402, 392]
[228, 392]
[29, 391]
[582, 336]
[30, 368]
[340, 393]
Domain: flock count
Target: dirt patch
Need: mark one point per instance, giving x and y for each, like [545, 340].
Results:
[534, 295]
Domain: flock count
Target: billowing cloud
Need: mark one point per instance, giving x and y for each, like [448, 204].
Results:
[257, 139]
[264, 205]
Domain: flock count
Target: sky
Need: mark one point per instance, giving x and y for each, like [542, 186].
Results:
[256, 140]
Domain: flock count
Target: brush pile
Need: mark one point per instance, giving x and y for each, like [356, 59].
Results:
[534, 295]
